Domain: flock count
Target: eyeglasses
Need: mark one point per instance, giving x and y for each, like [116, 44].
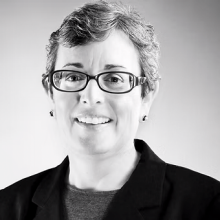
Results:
[116, 82]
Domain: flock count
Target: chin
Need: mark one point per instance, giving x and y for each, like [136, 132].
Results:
[94, 146]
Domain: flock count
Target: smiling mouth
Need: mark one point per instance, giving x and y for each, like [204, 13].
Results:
[93, 120]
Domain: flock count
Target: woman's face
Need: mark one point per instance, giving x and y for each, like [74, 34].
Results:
[124, 110]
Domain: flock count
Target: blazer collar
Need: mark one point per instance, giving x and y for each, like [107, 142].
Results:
[146, 182]
[143, 189]
[48, 196]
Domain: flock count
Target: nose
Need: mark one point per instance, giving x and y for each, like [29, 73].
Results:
[92, 94]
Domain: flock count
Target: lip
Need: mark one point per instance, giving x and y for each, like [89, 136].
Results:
[92, 127]
[92, 114]
[89, 115]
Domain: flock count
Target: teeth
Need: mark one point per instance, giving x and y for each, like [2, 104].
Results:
[93, 120]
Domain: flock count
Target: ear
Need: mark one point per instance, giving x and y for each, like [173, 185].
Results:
[148, 100]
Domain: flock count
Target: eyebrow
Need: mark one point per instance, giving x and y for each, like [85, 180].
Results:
[78, 65]
[111, 66]
[107, 66]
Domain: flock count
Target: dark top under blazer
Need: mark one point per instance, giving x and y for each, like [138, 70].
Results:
[154, 191]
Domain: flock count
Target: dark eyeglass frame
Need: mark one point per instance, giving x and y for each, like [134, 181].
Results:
[137, 80]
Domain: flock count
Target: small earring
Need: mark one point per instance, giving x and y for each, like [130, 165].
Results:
[51, 113]
[144, 118]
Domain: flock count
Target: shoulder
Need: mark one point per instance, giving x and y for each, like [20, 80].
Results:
[23, 187]
[18, 196]
[187, 178]
[181, 191]
[30, 183]
[199, 192]
[23, 198]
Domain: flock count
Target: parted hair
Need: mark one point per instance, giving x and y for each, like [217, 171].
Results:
[93, 22]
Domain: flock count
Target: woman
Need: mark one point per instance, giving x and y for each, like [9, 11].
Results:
[102, 77]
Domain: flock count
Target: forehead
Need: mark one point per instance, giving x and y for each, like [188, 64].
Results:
[116, 50]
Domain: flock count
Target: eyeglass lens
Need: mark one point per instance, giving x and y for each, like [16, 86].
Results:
[74, 81]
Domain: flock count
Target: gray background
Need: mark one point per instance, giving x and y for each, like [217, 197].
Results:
[184, 123]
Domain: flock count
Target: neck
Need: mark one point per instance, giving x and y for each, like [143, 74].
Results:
[102, 172]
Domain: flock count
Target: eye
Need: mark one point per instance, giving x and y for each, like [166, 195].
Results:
[73, 77]
[114, 78]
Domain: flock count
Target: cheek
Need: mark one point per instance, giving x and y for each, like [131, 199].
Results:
[64, 104]
[127, 109]
[127, 113]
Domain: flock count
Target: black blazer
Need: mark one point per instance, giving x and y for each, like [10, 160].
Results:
[155, 190]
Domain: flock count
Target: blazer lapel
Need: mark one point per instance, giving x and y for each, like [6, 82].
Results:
[143, 191]
[48, 196]
[52, 210]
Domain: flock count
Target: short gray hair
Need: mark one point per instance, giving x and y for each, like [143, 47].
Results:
[93, 22]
